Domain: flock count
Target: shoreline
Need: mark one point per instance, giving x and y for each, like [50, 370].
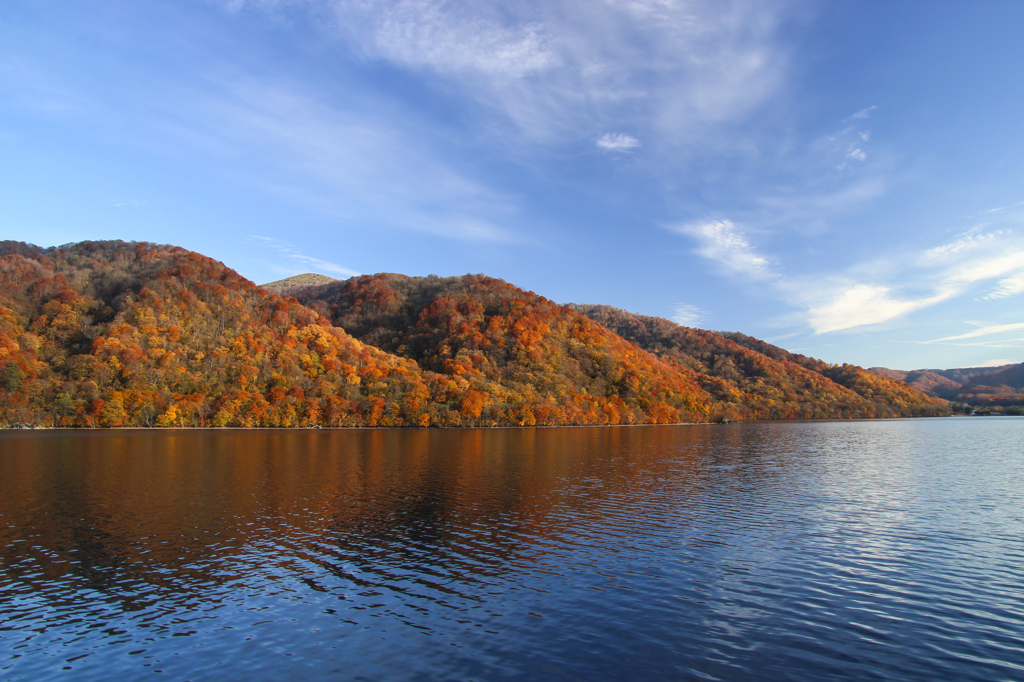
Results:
[107, 429]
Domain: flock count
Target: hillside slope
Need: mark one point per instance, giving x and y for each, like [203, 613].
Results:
[116, 334]
[755, 380]
[979, 386]
[558, 364]
[284, 287]
[127, 334]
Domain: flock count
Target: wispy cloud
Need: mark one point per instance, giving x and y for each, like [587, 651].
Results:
[863, 113]
[851, 142]
[859, 305]
[987, 267]
[617, 142]
[344, 162]
[554, 69]
[723, 242]
[360, 158]
[969, 240]
[1011, 286]
[559, 73]
[1000, 209]
[959, 270]
[875, 294]
[687, 315]
[997, 363]
[803, 210]
[289, 251]
[983, 331]
[449, 39]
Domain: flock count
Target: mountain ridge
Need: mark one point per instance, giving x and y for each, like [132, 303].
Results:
[137, 334]
[296, 282]
[747, 374]
[1000, 386]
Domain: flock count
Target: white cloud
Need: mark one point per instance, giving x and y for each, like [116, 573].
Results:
[997, 363]
[687, 315]
[969, 240]
[985, 268]
[862, 304]
[466, 228]
[450, 39]
[554, 69]
[1011, 286]
[863, 113]
[847, 145]
[722, 241]
[617, 142]
[984, 331]
[876, 291]
[1001, 343]
[289, 251]
[325, 266]
[1000, 209]
[859, 304]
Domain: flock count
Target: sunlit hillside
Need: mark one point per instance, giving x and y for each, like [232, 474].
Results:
[133, 334]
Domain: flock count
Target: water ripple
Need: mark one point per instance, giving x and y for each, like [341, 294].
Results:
[813, 551]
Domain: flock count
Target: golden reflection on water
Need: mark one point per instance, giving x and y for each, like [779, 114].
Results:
[727, 552]
[144, 499]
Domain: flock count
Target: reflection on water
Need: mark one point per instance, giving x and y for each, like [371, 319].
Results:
[868, 550]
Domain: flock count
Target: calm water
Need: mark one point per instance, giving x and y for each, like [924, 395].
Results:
[804, 551]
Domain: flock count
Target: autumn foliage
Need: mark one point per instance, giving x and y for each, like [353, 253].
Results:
[114, 334]
[132, 334]
[981, 387]
[522, 358]
[751, 379]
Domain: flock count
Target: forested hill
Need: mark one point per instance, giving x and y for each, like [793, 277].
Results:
[116, 334]
[1001, 386]
[127, 334]
[502, 339]
[756, 380]
[437, 322]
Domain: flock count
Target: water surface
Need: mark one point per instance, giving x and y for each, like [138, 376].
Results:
[800, 551]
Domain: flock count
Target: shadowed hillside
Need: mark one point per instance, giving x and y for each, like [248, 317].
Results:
[979, 386]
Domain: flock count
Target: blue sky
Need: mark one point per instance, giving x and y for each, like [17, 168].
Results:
[843, 179]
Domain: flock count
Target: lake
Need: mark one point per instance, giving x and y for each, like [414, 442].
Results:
[780, 551]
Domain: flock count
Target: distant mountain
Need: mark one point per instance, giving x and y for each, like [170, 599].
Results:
[979, 386]
[135, 334]
[283, 287]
